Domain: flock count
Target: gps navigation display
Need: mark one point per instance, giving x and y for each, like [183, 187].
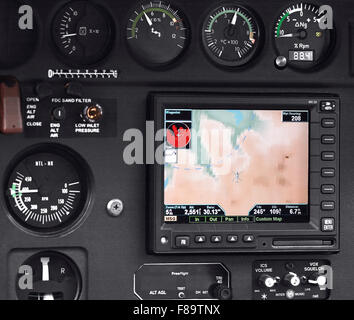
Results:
[236, 166]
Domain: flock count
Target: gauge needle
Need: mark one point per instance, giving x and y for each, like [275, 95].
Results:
[69, 35]
[289, 35]
[24, 191]
[148, 19]
[234, 19]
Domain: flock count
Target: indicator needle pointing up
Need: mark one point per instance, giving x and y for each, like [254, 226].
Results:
[45, 269]
[234, 19]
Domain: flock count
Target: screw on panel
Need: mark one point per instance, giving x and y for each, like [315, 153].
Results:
[115, 207]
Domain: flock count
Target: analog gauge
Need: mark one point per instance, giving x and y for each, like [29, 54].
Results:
[55, 277]
[47, 190]
[231, 35]
[83, 33]
[157, 34]
[299, 39]
[18, 38]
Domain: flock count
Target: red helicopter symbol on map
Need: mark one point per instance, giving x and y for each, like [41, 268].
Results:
[178, 135]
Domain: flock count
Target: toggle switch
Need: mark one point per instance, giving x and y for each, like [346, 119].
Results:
[10, 107]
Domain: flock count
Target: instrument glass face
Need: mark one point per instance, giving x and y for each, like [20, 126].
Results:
[157, 34]
[299, 36]
[82, 32]
[46, 191]
[231, 35]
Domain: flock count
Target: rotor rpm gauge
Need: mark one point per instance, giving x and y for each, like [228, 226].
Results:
[47, 191]
[82, 32]
[299, 39]
[231, 35]
[157, 34]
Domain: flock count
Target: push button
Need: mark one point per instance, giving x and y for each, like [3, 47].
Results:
[327, 205]
[216, 239]
[327, 224]
[182, 242]
[248, 238]
[328, 123]
[328, 156]
[328, 106]
[232, 239]
[327, 189]
[328, 172]
[200, 239]
[328, 139]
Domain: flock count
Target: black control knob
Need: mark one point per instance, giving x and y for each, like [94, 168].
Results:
[220, 292]
[291, 279]
[267, 281]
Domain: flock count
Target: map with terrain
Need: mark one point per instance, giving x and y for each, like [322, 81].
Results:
[236, 159]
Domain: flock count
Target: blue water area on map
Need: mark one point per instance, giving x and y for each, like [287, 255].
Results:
[237, 115]
[166, 182]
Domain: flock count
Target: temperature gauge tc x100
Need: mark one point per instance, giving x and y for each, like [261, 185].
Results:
[231, 35]
[47, 190]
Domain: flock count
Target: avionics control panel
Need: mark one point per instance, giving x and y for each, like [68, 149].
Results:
[176, 149]
[229, 196]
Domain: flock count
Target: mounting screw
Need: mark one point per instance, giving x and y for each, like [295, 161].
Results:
[115, 207]
[281, 62]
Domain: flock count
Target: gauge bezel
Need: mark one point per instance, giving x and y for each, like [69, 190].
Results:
[100, 57]
[169, 64]
[86, 179]
[296, 66]
[250, 58]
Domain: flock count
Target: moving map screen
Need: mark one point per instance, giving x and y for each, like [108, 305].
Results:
[236, 166]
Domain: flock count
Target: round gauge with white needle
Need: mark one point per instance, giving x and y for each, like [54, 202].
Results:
[300, 40]
[82, 32]
[157, 34]
[47, 190]
[231, 35]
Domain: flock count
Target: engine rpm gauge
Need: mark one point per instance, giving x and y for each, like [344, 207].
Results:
[82, 32]
[231, 35]
[299, 39]
[46, 190]
[157, 34]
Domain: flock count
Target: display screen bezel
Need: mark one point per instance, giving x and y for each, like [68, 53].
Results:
[160, 102]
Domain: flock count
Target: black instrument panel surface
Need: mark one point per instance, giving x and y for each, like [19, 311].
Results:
[115, 247]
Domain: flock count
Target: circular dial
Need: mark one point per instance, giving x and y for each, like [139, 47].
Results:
[82, 32]
[300, 39]
[46, 191]
[18, 39]
[156, 34]
[55, 277]
[231, 35]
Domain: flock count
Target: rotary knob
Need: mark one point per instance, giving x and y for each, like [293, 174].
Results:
[291, 279]
[220, 292]
[267, 281]
[318, 279]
